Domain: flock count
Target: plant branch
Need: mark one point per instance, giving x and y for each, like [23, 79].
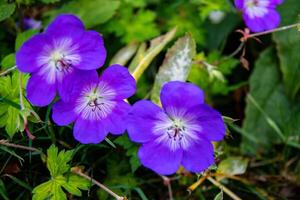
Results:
[225, 189]
[283, 28]
[77, 171]
[6, 143]
[167, 182]
[8, 70]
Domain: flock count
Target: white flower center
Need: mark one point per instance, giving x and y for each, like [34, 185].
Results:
[95, 102]
[256, 8]
[178, 129]
[58, 59]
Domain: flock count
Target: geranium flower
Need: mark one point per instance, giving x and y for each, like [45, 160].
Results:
[259, 15]
[31, 23]
[180, 133]
[58, 57]
[97, 105]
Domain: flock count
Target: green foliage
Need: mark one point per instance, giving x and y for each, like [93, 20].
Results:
[219, 196]
[6, 9]
[145, 56]
[207, 6]
[131, 151]
[8, 61]
[11, 117]
[233, 166]
[57, 164]
[22, 37]
[133, 26]
[92, 13]
[288, 46]
[176, 65]
[209, 73]
[271, 107]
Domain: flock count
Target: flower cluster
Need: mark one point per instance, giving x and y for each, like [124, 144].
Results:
[259, 15]
[63, 60]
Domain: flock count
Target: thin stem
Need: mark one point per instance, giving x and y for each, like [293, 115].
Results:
[192, 187]
[21, 92]
[167, 182]
[240, 47]
[78, 172]
[283, 28]
[225, 189]
[8, 70]
[6, 143]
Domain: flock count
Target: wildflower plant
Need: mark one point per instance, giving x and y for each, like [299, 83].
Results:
[138, 114]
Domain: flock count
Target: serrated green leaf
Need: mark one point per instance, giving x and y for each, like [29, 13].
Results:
[13, 121]
[233, 166]
[176, 65]
[57, 162]
[288, 46]
[92, 13]
[22, 37]
[6, 10]
[8, 61]
[131, 150]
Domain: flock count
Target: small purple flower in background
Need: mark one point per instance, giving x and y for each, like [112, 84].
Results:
[59, 56]
[259, 15]
[30, 23]
[97, 105]
[180, 133]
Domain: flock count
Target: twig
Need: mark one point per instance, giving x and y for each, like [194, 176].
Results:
[192, 187]
[225, 189]
[283, 28]
[8, 70]
[6, 143]
[167, 182]
[77, 171]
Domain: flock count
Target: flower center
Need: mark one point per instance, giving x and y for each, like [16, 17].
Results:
[58, 59]
[61, 62]
[176, 131]
[252, 3]
[95, 102]
[176, 128]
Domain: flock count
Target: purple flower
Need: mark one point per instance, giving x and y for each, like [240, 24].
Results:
[30, 23]
[259, 15]
[97, 105]
[59, 56]
[180, 133]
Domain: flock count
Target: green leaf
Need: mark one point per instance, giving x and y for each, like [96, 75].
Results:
[156, 46]
[8, 61]
[13, 123]
[3, 192]
[124, 54]
[22, 37]
[131, 150]
[269, 110]
[92, 13]
[49, 1]
[212, 78]
[219, 196]
[57, 162]
[288, 46]
[233, 166]
[6, 10]
[176, 65]
[12, 117]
